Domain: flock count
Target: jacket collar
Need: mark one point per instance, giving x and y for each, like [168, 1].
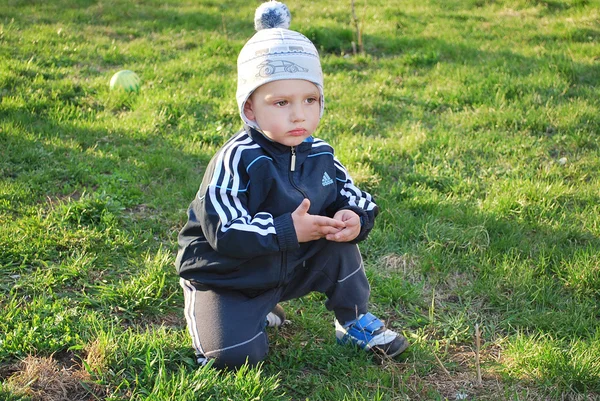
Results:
[274, 147]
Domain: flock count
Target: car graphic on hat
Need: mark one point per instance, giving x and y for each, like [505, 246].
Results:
[268, 68]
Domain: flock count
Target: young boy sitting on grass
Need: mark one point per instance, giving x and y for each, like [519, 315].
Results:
[277, 215]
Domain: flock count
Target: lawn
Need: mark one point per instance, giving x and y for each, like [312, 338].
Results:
[474, 123]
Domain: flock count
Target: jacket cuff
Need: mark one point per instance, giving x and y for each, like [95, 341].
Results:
[286, 233]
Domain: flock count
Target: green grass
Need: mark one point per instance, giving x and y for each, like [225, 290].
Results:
[473, 122]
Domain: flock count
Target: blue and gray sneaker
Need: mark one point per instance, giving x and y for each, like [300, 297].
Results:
[370, 334]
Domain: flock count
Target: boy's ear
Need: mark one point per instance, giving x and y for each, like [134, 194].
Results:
[248, 112]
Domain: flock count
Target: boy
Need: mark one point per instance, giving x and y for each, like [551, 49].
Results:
[277, 215]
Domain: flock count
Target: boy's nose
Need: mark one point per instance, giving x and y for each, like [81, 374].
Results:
[297, 114]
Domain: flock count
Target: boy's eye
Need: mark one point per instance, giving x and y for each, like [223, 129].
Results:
[281, 103]
[311, 100]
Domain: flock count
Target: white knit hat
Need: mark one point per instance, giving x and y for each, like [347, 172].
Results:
[275, 53]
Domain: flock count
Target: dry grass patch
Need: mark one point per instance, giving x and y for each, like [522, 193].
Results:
[396, 263]
[45, 379]
[462, 381]
[407, 266]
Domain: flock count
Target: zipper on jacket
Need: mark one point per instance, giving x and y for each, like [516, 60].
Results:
[292, 169]
[293, 163]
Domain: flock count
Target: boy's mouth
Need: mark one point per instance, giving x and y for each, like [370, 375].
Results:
[297, 132]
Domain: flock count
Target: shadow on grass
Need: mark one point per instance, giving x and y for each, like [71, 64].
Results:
[64, 157]
[502, 80]
[83, 246]
[132, 20]
[516, 251]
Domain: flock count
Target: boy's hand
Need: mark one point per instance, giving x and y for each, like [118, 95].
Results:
[311, 227]
[352, 229]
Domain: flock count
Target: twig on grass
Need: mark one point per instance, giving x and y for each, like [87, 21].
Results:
[442, 366]
[477, 350]
[224, 26]
[358, 29]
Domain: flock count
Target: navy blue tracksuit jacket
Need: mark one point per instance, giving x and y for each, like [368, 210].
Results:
[240, 234]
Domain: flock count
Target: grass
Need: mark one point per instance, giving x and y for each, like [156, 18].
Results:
[473, 122]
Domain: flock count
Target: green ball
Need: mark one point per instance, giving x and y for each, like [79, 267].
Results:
[125, 80]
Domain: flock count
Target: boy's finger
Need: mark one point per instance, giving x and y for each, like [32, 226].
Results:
[335, 237]
[352, 222]
[328, 230]
[326, 221]
[303, 207]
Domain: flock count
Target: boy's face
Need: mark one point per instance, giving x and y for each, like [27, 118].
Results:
[287, 111]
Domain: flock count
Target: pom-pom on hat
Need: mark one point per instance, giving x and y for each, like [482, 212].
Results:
[272, 14]
[274, 53]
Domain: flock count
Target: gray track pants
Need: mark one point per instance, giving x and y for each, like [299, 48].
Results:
[229, 326]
